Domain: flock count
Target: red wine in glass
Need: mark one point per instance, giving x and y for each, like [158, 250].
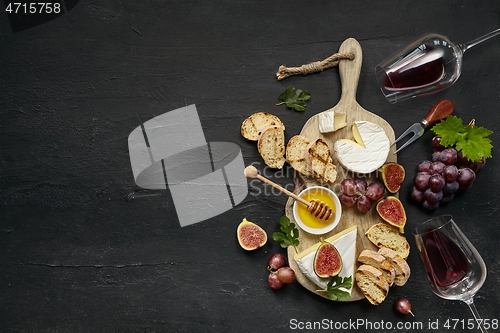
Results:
[421, 68]
[445, 262]
[428, 65]
[455, 270]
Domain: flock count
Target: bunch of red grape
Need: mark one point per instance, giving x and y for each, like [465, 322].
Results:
[357, 191]
[439, 179]
[279, 273]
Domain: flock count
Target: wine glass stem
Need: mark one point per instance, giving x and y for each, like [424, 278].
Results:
[472, 307]
[476, 41]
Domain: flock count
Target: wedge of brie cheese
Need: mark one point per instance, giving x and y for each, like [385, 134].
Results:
[368, 153]
[330, 121]
[345, 243]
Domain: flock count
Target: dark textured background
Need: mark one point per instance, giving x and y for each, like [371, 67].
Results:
[83, 249]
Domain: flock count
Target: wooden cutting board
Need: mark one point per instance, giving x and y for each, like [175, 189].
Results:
[349, 75]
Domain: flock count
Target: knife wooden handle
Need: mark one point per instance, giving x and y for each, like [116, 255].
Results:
[439, 111]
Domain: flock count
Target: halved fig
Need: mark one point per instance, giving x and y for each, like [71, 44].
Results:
[250, 235]
[327, 261]
[393, 175]
[391, 211]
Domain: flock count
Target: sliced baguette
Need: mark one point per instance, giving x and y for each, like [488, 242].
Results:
[319, 161]
[400, 265]
[254, 125]
[271, 146]
[372, 283]
[386, 235]
[296, 154]
[378, 261]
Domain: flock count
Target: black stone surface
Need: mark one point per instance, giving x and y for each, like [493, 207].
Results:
[83, 249]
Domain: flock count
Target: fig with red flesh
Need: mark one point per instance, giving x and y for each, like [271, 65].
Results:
[250, 235]
[393, 175]
[327, 261]
[391, 211]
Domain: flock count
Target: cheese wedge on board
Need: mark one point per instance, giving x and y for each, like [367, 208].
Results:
[345, 243]
[368, 153]
[330, 121]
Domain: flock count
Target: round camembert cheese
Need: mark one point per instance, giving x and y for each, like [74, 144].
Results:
[368, 153]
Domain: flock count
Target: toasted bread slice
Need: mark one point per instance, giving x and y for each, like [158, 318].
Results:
[372, 283]
[386, 235]
[400, 265]
[296, 154]
[378, 261]
[319, 161]
[254, 125]
[271, 146]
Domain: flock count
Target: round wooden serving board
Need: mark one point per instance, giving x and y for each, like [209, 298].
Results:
[349, 75]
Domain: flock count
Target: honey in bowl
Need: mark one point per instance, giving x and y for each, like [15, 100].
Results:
[309, 219]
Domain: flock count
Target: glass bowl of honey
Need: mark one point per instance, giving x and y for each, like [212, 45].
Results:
[310, 223]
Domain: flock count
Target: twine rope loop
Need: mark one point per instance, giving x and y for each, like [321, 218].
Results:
[318, 66]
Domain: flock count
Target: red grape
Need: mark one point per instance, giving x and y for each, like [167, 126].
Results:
[403, 306]
[363, 204]
[435, 157]
[466, 176]
[463, 161]
[436, 168]
[464, 187]
[421, 181]
[448, 156]
[416, 195]
[274, 282]
[481, 163]
[347, 200]
[276, 261]
[451, 187]
[430, 205]
[431, 196]
[375, 191]
[436, 143]
[424, 166]
[450, 173]
[286, 275]
[447, 197]
[360, 186]
[348, 186]
[478, 165]
[436, 183]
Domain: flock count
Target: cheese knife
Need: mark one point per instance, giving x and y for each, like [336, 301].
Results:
[439, 111]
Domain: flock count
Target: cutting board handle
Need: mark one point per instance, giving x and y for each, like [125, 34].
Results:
[350, 70]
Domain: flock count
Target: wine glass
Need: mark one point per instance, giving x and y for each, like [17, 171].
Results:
[455, 270]
[428, 65]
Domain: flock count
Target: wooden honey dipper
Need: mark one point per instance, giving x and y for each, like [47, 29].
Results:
[315, 207]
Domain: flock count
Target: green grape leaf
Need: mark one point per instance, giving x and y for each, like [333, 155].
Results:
[334, 291]
[471, 140]
[290, 235]
[295, 101]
